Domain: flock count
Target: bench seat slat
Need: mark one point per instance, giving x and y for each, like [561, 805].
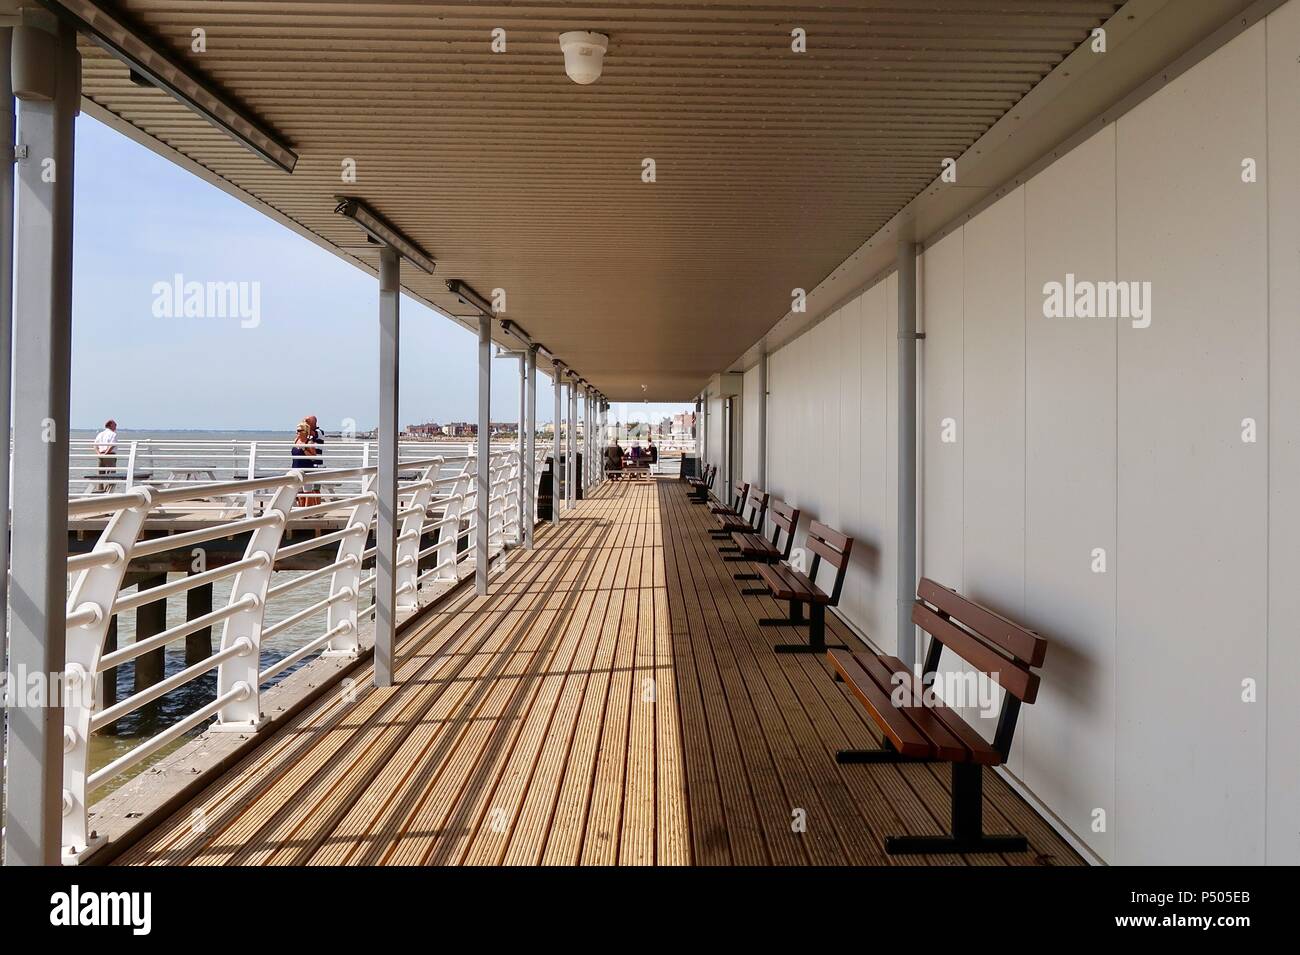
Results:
[900, 730]
[733, 522]
[979, 749]
[754, 545]
[945, 745]
[788, 584]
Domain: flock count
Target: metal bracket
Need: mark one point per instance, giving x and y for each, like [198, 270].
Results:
[20, 152]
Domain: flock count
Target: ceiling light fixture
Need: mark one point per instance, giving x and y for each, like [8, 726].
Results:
[584, 55]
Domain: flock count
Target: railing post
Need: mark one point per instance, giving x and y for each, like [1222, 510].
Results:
[449, 533]
[95, 590]
[408, 541]
[347, 579]
[130, 467]
[243, 714]
[250, 499]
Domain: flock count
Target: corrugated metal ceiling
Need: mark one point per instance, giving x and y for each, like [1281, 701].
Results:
[771, 166]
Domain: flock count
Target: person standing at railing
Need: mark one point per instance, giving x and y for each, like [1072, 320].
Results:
[106, 451]
[317, 438]
[303, 457]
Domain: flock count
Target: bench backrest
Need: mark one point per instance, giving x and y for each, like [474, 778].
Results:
[985, 639]
[785, 517]
[712, 473]
[827, 543]
[738, 501]
[756, 503]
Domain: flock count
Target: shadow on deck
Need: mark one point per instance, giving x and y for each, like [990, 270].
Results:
[612, 700]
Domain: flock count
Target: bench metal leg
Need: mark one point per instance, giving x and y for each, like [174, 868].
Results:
[754, 592]
[728, 550]
[746, 576]
[967, 822]
[794, 620]
[733, 559]
[816, 633]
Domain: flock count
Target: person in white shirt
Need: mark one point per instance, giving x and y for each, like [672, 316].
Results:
[106, 449]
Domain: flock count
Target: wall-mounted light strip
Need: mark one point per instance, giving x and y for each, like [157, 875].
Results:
[146, 58]
[467, 296]
[384, 232]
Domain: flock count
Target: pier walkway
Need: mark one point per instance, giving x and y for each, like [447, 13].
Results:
[612, 700]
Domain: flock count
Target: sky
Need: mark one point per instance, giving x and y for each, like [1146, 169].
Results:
[311, 346]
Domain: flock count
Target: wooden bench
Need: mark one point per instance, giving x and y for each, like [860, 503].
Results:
[783, 582]
[740, 490]
[750, 518]
[921, 729]
[754, 547]
[701, 486]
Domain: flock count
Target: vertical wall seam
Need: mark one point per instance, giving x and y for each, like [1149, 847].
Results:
[1268, 439]
[1115, 566]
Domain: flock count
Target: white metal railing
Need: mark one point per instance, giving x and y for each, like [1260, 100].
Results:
[169, 463]
[435, 493]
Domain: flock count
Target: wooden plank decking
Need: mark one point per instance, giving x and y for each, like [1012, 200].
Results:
[611, 701]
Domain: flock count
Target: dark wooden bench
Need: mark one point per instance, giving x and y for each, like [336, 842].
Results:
[701, 486]
[740, 490]
[749, 518]
[918, 728]
[754, 547]
[783, 582]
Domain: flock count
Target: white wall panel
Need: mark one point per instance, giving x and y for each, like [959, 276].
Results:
[942, 400]
[1281, 178]
[1070, 428]
[1074, 434]
[888, 638]
[1192, 574]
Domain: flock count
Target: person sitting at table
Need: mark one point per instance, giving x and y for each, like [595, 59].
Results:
[613, 459]
[652, 453]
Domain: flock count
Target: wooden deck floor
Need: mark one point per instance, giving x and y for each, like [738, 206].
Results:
[611, 701]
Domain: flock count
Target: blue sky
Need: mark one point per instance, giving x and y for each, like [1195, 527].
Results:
[140, 219]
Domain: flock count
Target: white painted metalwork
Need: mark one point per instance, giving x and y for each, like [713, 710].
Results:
[434, 496]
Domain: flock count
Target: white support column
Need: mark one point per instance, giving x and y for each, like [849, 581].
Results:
[906, 541]
[586, 437]
[47, 76]
[6, 354]
[483, 497]
[521, 515]
[571, 463]
[555, 445]
[762, 421]
[530, 450]
[386, 484]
